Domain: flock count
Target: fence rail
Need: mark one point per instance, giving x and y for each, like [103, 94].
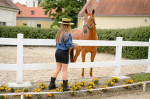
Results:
[20, 67]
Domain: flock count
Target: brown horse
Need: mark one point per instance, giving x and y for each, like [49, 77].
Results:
[88, 33]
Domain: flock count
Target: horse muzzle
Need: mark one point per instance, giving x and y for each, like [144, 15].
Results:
[85, 31]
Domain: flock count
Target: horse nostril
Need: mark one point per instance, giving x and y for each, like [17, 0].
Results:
[85, 31]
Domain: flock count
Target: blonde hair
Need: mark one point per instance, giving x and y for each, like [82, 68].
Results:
[63, 29]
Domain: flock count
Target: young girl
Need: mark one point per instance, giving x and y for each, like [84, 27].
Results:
[63, 43]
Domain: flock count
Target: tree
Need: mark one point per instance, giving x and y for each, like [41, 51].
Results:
[64, 8]
[39, 1]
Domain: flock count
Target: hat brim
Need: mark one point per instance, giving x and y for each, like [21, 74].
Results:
[66, 23]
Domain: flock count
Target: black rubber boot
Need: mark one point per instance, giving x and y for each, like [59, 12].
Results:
[65, 85]
[52, 83]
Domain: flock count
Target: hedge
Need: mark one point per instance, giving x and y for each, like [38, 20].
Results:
[36, 33]
[134, 34]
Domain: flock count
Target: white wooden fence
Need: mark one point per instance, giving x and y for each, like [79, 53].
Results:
[20, 67]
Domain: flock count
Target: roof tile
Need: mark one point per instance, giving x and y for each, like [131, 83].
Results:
[26, 11]
[7, 3]
[119, 7]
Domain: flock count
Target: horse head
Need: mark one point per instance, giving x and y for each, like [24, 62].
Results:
[89, 21]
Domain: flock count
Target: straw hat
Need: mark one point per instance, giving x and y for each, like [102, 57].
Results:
[66, 21]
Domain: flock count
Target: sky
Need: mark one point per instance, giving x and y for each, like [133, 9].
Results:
[21, 1]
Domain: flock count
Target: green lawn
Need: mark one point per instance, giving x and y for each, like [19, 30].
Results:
[141, 77]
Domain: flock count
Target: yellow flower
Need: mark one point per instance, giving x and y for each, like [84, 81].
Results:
[91, 90]
[108, 81]
[61, 90]
[30, 96]
[9, 89]
[39, 90]
[26, 95]
[72, 84]
[41, 83]
[57, 89]
[51, 91]
[60, 87]
[45, 85]
[2, 88]
[71, 90]
[49, 94]
[61, 83]
[42, 87]
[5, 97]
[75, 88]
[90, 86]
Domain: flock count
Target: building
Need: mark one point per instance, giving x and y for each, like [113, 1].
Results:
[33, 16]
[114, 14]
[8, 13]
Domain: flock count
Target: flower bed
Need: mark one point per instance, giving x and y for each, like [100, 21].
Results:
[80, 88]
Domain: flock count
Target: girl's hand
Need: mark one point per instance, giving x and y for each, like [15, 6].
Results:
[76, 45]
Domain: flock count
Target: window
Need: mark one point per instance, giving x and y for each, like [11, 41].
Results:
[24, 24]
[38, 25]
[97, 0]
[19, 12]
[2, 23]
[45, 13]
[32, 12]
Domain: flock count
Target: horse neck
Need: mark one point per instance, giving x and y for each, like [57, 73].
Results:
[92, 33]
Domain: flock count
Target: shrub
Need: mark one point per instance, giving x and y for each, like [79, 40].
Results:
[133, 34]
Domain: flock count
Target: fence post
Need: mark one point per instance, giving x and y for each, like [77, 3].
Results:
[148, 68]
[20, 58]
[118, 55]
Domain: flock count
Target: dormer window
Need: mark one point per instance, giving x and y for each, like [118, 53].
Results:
[45, 13]
[19, 12]
[32, 12]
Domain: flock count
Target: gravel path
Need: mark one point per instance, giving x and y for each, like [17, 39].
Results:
[46, 55]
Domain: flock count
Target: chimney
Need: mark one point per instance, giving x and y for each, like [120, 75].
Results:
[36, 3]
[29, 3]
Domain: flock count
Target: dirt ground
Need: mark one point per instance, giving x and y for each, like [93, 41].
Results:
[8, 55]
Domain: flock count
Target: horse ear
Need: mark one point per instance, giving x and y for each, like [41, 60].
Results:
[93, 11]
[86, 11]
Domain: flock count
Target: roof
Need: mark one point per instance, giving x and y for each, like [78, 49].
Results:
[39, 12]
[118, 7]
[7, 3]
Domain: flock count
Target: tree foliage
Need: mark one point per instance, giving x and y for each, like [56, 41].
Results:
[64, 9]
[39, 1]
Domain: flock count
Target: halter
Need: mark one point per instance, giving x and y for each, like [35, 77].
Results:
[89, 27]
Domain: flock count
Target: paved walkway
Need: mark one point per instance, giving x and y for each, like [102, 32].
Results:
[138, 95]
[142, 95]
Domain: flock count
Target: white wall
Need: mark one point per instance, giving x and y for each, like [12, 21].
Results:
[111, 22]
[8, 16]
